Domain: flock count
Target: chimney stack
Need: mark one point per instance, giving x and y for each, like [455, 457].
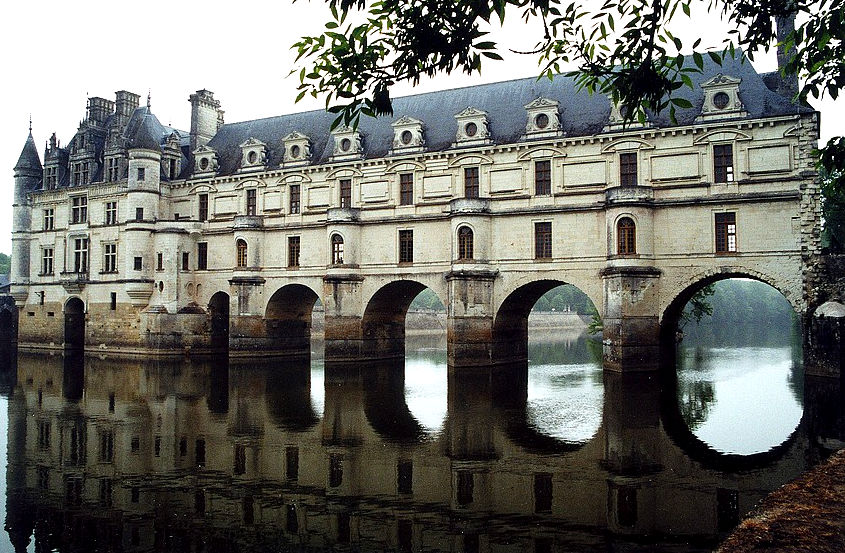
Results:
[206, 117]
[125, 103]
[787, 81]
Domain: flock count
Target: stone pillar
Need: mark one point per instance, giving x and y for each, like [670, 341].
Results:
[631, 318]
[824, 351]
[247, 329]
[470, 311]
[343, 306]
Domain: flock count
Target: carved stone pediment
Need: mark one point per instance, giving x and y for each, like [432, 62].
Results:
[348, 144]
[543, 118]
[721, 99]
[205, 160]
[408, 135]
[473, 128]
[297, 149]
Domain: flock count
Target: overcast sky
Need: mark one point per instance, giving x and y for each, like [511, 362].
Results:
[56, 53]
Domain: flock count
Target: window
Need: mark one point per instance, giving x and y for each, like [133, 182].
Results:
[294, 198]
[173, 173]
[106, 446]
[159, 261]
[542, 493]
[240, 459]
[465, 243]
[723, 163]
[293, 251]
[49, 219]
[80, 255]
[44, 434]
[138, 263]
[80, 173]
[241, 253]
[251, 201]
[199, 452]
[292, 463]
[471, 182]
[725, 232]
[113, 307]
[337, 249]
[345, 192]
[47, 261]
[406, 246]
[50, 177]
[142, 174]
[139, 213]
[203, 207]
[406, 188]
[465, 487]
[186, 261]
[202, 256]
[405, 476]
[109, 258]
[543, 240]
[626, 237]
[543, 178]
[111, 213]
[335, 470]
[113, 169]
[628, 169]
[79, 209]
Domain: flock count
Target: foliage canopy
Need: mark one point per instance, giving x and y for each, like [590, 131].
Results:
[623, 48]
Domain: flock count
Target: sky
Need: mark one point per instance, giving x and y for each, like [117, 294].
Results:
[57, 53]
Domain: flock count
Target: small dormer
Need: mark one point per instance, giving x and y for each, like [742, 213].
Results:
[721, 99]
[253, 154]
[543, 119]
[616, 120]
[407, 135]
[171, 157]
[297, 149]
[473, 128]
[205, 161]
[348, 144]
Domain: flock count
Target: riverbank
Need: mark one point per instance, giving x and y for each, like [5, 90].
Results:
[805, 515]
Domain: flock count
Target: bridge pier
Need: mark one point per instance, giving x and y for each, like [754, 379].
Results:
[469, 327]
[631, 321]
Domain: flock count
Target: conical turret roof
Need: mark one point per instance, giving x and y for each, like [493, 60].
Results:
[29, 158]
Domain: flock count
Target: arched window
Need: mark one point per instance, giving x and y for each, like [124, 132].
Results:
[241, 249]
[626, 237]
[337, 249]
[465, 243]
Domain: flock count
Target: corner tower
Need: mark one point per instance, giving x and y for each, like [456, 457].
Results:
[28, 174]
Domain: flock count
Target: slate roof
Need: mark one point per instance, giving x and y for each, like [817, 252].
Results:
[582, 114]
[144, 130]
[29, 158]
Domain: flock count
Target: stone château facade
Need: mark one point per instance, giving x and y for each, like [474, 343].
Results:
[138, 237]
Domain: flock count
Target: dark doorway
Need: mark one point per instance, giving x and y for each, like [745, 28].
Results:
[218, 310]
[74, 324]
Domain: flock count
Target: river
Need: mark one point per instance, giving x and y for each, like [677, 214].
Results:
[215, 456]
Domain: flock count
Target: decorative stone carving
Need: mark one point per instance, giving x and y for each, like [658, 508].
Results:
[205, 161]
[543, 119]
[407, 135]
[348, 144]
[297, 149]
[473, 128]
[253, 154]
[721, 99]
[616, 120]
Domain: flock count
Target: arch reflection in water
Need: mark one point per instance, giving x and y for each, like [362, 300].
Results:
[166, 469]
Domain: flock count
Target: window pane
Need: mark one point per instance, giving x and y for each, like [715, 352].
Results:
[543, 240]
[471, 182]
[543, 178]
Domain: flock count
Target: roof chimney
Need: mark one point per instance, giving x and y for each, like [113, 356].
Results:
[788, 81]
[206, 117]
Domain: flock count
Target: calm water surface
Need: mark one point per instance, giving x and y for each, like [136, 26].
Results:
[197, 456]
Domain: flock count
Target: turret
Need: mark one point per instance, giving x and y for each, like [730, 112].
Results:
[28, 174]
[206, 117]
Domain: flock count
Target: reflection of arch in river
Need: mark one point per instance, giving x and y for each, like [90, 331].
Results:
[683, 437]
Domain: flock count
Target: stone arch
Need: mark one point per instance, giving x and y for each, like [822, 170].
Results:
[74, 337]
[670, 311]
[288, 318]
[383, 322]
[510, 322]
[218, 314]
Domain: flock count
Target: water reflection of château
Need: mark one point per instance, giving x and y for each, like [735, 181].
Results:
[201, 456]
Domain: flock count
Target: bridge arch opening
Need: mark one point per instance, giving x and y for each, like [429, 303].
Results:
[383, 325]
[735, 353]
[74, 324]
[218, 313]
[288, 318]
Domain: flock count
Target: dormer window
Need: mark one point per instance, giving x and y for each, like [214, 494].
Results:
[348, 144]
[297, 149]
[253, 154]
[543, 118]
[721, 99]
[616, 121]
[407, 135]
[473, 128]
[206, 160]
